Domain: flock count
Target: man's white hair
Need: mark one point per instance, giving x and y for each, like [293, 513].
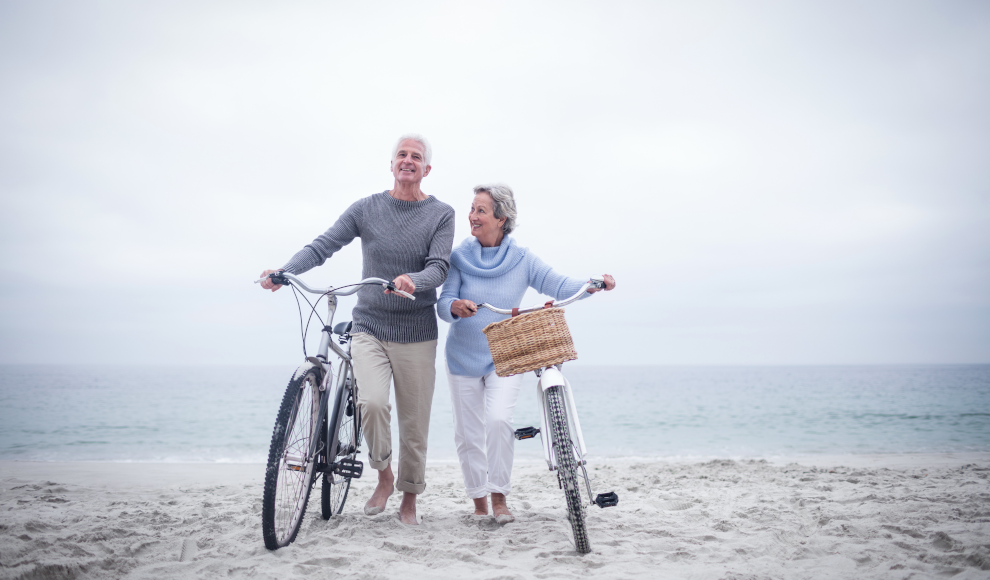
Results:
[427, 150]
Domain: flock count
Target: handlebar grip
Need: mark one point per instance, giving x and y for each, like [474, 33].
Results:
[276, 277]
[391, 288]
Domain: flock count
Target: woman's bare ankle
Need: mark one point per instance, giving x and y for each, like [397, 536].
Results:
[481, 506]
[499, 505]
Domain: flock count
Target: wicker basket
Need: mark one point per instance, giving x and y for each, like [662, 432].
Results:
[530, 341]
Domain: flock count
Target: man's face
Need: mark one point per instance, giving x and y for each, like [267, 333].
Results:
[409, 165]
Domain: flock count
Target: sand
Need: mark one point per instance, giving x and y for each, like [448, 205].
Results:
[925, 516]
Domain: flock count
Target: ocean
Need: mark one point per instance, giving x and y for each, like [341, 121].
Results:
[226, 413]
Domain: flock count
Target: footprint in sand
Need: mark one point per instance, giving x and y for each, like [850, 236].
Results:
[189, 550]
[676, 505]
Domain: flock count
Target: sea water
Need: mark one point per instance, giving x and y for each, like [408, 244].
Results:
[226, 414]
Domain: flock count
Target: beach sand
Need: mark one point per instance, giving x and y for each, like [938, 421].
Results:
[899, 516]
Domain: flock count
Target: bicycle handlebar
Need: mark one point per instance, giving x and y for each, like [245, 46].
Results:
[286, 279]
[595, 281]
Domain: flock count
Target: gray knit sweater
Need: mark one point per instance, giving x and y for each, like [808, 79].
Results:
[397, 237]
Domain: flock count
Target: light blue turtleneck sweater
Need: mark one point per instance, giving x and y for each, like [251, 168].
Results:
[500, 277]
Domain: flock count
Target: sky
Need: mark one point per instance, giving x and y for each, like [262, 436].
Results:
[770, 183]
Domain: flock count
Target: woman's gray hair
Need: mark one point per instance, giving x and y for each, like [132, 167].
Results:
[504, 202]
[427, 150]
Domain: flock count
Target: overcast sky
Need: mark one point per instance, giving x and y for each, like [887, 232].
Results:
[769, 182]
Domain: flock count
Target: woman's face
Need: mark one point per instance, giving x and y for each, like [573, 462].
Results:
[484, 226]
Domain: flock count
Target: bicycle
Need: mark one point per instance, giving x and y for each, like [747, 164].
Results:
[564, 449]
[309, 437]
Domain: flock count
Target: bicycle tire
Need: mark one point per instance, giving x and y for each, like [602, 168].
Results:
[289, 474]
[333, 492]
[563, 449]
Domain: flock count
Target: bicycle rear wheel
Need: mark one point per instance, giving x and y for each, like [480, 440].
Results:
[289, 476]
[347, 416]
[567, 467]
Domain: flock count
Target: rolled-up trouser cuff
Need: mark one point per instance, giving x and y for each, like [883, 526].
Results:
[478, 492]
[379, 465]
[499, 489]
[409, 487]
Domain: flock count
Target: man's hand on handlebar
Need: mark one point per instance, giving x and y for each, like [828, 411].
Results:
[267, 283]
[463, 308]
[609, 284]
[404, 283]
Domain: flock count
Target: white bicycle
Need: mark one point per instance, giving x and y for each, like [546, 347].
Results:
[564, 449]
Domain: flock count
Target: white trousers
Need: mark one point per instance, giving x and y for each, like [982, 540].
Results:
[483, 432]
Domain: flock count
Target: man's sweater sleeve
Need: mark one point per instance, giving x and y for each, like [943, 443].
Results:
[451, 292]
[438, 258]
[339, 235]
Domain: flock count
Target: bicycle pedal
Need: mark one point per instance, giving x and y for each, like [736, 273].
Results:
[605, 500]
[351, 468]
[526, 433]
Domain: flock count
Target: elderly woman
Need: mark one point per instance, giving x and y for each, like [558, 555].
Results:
[489, 267]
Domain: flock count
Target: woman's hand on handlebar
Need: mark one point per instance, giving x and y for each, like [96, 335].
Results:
[463, 308]
[609, 284]
[267, 284]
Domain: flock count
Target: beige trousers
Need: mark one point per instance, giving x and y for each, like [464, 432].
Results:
[411, 365]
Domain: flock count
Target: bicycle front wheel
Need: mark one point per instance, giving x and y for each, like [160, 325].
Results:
[347, 417]
[289, 476]
[567, 467]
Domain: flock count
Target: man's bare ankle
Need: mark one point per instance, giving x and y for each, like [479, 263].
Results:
[384, 490]
[407, 509]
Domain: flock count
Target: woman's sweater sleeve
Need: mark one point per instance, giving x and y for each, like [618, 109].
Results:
[451, 292]
[550, 283]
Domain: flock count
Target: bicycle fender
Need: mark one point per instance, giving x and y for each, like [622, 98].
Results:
[551, 378]
[305, 367]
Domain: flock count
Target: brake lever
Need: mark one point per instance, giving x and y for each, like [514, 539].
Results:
[391, 287]
[275, 277]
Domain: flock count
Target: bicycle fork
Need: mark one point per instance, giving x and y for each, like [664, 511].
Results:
[553, 377]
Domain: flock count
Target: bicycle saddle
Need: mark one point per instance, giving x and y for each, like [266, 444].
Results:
[342, 328]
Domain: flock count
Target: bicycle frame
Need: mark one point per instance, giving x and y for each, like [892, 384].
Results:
[321, 360]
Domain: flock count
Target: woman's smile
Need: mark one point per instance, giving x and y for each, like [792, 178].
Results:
[484, 225]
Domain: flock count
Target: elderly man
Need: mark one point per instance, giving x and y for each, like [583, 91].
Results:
[406, 235]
